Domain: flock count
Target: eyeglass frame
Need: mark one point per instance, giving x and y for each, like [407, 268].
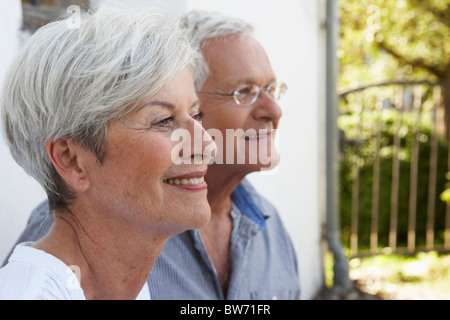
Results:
[281, 85]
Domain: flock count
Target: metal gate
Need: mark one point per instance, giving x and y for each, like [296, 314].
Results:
[394, 158]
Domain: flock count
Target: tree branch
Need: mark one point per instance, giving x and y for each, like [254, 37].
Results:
[443, 16]
[416, 63]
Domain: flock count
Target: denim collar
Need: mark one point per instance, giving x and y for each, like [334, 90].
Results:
[242, 199]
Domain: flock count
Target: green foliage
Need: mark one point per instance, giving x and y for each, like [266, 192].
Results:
[328, 262]
[361, 129]
[425, 275]
[393, 39]
[403, 268]
[445, 195]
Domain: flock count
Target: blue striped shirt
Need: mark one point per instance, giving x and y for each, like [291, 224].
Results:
[263, 262]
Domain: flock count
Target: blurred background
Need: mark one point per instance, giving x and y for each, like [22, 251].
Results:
[394, 124]
[362, 183]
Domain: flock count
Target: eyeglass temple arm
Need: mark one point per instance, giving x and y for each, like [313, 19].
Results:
[217, 93]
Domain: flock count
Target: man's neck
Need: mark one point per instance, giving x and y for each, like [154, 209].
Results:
[216, 235]
[221, 184]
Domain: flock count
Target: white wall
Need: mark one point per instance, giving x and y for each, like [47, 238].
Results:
[19, 193]
[290, 32]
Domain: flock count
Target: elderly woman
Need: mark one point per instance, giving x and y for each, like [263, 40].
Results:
[89, 112]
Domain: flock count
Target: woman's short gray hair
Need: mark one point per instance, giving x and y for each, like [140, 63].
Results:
[202, 26]
[71, 82]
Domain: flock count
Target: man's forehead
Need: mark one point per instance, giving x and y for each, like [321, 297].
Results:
[261, 80]
[235, 60]
[232, 46]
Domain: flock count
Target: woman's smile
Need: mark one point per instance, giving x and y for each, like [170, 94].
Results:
[193, 181]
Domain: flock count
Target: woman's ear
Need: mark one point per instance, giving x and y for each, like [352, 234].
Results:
[68, 159]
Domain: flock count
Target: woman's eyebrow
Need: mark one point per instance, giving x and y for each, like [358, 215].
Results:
[168, 105]
[161, 103]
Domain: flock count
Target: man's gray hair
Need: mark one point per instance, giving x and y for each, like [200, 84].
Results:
[202, 26]
[72, 81]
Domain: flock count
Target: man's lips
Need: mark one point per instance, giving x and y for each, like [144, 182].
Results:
[259, 134]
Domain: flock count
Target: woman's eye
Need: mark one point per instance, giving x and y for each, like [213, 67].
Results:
[198, 116]
[166, 122]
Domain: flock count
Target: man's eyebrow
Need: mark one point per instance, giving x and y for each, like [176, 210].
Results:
[194, 104]
[241, 81]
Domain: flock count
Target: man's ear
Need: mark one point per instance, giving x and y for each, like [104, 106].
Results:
[67, 158]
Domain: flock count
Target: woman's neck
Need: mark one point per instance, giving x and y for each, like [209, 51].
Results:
[114, 261]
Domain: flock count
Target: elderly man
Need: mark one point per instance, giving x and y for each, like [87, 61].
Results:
[244, 252]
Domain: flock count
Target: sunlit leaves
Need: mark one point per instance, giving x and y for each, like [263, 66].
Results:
[393, 39]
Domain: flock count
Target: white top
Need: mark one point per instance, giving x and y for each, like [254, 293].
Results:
[33, 274]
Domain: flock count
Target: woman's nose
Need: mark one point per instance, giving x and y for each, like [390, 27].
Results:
[203, 146]
[196, 146]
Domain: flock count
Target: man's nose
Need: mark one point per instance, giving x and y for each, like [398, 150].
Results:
[267, 108]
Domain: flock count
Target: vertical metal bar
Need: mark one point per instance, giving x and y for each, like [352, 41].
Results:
[376, 182]
[395, 171]
[355, 208]
[355, 185]
[413, 170]
[447, 208]
[447, 212]
[341, 279]
[432, 173]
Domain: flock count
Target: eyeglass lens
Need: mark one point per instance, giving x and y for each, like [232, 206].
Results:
[248, 94]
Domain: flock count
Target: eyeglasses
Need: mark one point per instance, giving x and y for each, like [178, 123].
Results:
[248, 94]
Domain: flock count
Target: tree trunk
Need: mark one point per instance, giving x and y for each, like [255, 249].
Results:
[446, 101]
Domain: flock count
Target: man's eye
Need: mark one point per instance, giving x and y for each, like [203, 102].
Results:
[245, 90]
[271, 89]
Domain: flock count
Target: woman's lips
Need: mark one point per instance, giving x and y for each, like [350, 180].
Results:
[189, 181]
